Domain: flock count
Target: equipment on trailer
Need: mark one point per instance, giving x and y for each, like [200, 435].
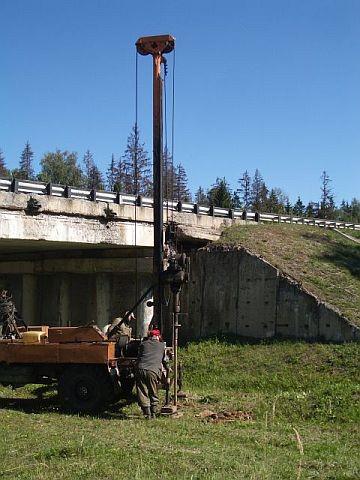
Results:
[79, 359]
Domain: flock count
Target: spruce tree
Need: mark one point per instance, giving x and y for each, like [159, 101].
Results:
[201, 198]
[312, 210]
[235, 200]
[93, 176]
[111, 174]
[181, 189]
[259, 192]
[136, 165]
[273, 204]
[122, 181]
[26, 170]
[220, 194]
[299, 207]
[288, 207]
[4, 172]
[169, 176]
[327, 204]
[245, 190]
[355, 210]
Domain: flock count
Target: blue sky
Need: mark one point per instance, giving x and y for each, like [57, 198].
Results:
[272, 85]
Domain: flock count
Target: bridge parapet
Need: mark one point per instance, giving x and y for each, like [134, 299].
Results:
[114, 198]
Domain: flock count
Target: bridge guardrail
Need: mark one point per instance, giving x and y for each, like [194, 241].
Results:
[41, 188]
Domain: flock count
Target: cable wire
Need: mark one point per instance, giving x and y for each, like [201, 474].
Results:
[173, 129]
[136, 294]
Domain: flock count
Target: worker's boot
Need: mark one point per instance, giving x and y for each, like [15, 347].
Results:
[153, 411]
[146, 412]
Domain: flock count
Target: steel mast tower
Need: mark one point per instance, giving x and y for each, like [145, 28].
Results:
[157, 46]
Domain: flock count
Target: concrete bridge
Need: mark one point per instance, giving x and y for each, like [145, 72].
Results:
[69, 261]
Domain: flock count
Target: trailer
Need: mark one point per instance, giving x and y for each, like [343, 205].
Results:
[79, 360]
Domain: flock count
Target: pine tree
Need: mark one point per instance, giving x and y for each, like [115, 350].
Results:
[245, 190]
[201, 198]
[136, 165]
[299, 207]
[220, 194]
[26, 170]
[111, 174]
[93, 176]
[4, 172]
[181, 189]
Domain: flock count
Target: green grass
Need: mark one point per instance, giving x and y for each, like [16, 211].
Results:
[326, 263]
[284, 388]
[352, 233]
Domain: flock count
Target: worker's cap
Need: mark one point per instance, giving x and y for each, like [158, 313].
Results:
[154, 333]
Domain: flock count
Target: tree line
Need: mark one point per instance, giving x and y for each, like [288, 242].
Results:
[254, 195]
[132, 173]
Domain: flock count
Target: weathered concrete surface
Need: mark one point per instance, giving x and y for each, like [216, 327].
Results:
[237, 292]
[78, 221]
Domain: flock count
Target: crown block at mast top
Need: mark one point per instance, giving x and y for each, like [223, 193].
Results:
[155, 45]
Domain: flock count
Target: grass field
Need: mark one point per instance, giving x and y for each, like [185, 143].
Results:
[326, 263]
[280, 410]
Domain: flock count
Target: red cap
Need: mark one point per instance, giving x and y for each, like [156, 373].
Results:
[154, 333]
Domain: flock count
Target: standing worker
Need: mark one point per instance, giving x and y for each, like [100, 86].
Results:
[151, 358]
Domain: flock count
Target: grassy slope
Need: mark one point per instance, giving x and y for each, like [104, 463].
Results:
[326, 263]
[313, 388]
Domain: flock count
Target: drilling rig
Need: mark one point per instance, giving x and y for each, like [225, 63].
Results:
[171, 269]
[83, 361]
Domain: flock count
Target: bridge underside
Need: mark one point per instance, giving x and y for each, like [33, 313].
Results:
[58, 283]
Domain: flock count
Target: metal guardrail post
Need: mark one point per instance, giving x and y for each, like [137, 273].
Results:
[49, 189]
[231, 214]
[196, 208]
[211, 210]
[67, 191]
[93, 195]
[14, 188]
[179, 207]
[139, 201]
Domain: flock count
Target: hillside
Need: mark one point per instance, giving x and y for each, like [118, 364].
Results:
[326, 263]
[279, 410]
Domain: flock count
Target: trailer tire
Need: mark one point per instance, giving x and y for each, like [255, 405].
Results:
[84, 389]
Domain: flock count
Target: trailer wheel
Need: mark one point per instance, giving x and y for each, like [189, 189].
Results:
[84, 389]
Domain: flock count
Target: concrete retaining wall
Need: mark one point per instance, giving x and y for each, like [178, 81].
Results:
[237, 292]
